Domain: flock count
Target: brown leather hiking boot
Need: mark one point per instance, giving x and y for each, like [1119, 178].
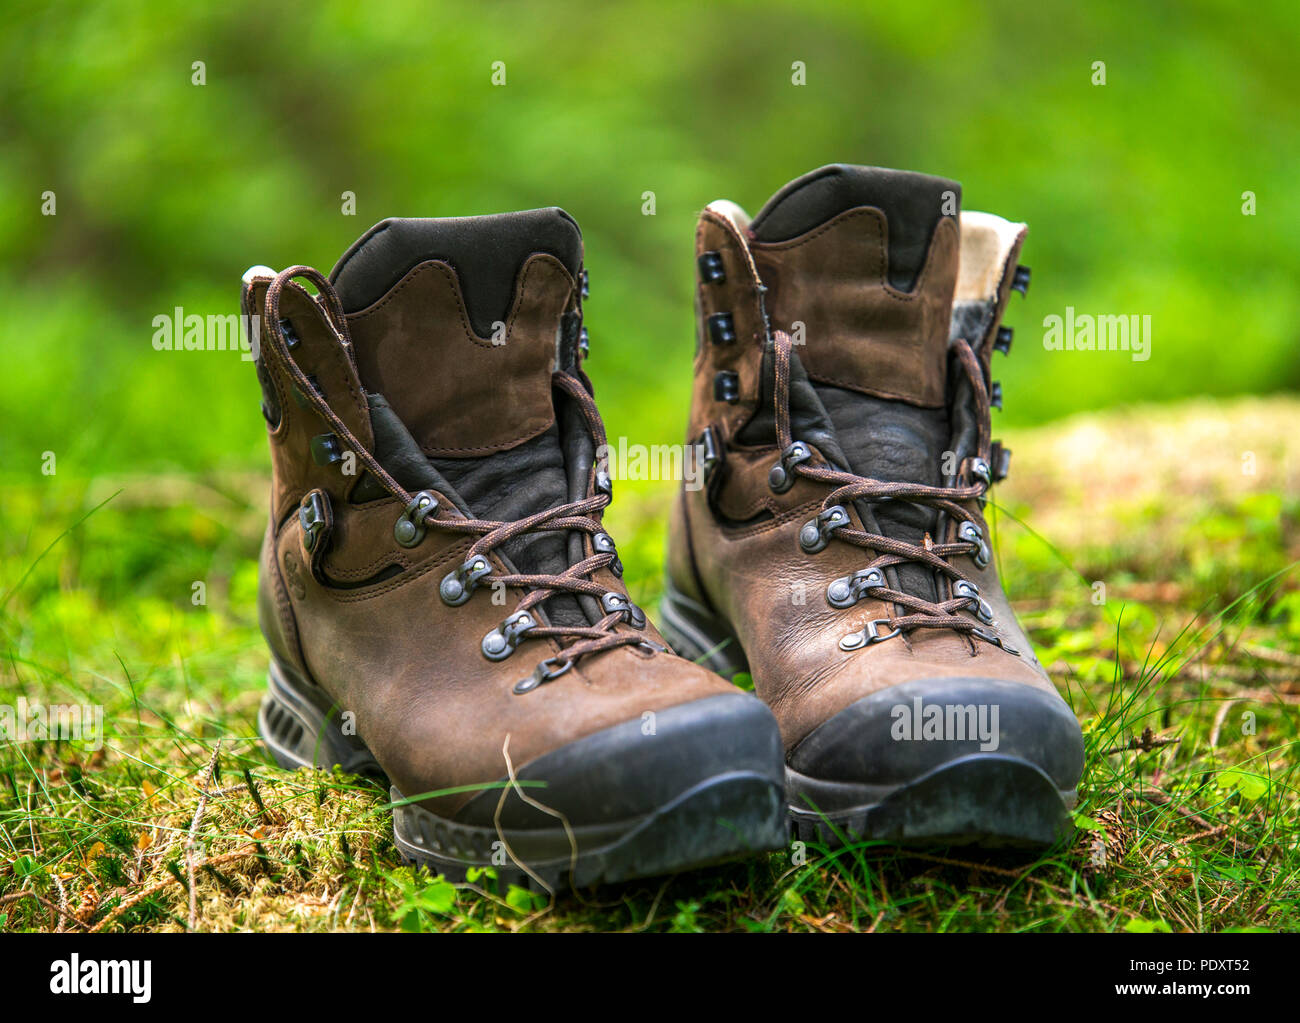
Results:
[839, 550]
[442, 603]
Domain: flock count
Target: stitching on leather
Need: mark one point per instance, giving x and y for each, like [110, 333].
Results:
[452, 555]
[745, 476]
[376, 502]
[743, 510]
[883, 241]
[830, 225]
[745, 532]
[450, 275]
[492, 448]
[875, 391]
[413, 275]
[731, 231]
[283, 606]
[536, 259]
[398, 556]
[368, 569]
[335, 353]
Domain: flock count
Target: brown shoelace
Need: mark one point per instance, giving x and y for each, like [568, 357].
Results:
[848, 487]
[581, 515]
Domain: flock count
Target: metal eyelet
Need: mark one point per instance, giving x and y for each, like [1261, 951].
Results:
[1020, 280]
[848, 590]
[978, 605]
[603, 543]
[972, 533]
[870, 634]
[990, 636]
[501, 642]
[458, 586]
[711, 268]
[291, 338]
[617, 603]
[979, 469]
[707, 453]
[311, 517]
[816, 533]
[544, 672]
[325, 449]
[781, 478]
[722, 329]
[410, 528]
[1001, 461]
[300, 397]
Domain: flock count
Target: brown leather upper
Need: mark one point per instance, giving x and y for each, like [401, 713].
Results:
[743, 299]
[434, 711]
[733, 546]
[859, 331]
[293, 475]
[460, 394]
[432, 708]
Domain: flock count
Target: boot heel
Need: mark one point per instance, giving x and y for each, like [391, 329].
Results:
[696, 633]
[300, 732]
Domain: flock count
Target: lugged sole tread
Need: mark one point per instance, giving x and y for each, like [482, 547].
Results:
[983, 799]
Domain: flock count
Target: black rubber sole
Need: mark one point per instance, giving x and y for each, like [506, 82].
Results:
[727, 816]
[301, 732]
[987, 799]
[720, 819]
[981, 799]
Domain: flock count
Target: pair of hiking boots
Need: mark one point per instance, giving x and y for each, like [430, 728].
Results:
[445, 608]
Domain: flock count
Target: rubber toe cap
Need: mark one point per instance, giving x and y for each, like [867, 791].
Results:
[907, 730]
[633, 768]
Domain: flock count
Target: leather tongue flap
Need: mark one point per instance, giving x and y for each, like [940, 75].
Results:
[455, 322]
[861, 265]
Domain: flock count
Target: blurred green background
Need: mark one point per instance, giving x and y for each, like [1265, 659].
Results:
[167, 190]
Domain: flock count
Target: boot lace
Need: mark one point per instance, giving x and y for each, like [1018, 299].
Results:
[833, 522]
[419, 515]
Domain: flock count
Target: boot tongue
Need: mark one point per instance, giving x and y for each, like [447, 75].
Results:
[865, 259]
[909, 204]
[455, 322]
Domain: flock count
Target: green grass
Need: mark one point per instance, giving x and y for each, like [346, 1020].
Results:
[1198, 641]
